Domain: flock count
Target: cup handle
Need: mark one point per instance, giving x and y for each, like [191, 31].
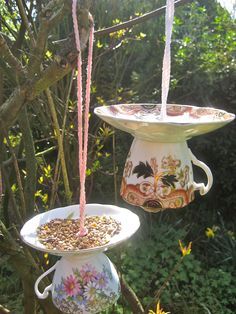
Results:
[203, 189]
[45, 293]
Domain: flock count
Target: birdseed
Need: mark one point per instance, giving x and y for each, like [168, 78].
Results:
[63, 234]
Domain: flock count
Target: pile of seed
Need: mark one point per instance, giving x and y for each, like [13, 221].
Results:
[63, 234]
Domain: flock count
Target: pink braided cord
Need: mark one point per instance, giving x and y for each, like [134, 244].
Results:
[82, 138]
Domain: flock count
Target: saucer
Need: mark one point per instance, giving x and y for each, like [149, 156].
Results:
[182, 122]
[129, 225]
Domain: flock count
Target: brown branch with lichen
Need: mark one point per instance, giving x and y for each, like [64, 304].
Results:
[48, 20]
[7, 55]
[55, 72]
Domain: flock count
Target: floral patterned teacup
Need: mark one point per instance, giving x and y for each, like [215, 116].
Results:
[160, 175]
[82, 284]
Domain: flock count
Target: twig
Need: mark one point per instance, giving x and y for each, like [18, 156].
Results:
[9, 161]
[31, 162]
[57, 170]
[55, 182]
[25, 21]
[60, 144]
[159, 291]
[137, 20]
[131, 297]
[18, 177]
[11, 31]
[3, 310]
[5, 51]
[67, 105]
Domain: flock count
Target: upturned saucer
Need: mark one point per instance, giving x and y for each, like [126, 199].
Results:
[128, 220]
[182, 122]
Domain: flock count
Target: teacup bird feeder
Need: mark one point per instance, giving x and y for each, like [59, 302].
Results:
[158, 171]
[85, 281]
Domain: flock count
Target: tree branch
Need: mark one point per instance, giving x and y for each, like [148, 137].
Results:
[31, 162]
[25, 21]
[3, 310]
[12, 106]
[6, 53]
[131, 297]
[60, 145]
[18, 178]
[48, 20]
[137, 20]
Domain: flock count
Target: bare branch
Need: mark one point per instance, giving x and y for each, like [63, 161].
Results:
[4, 310]
[50, 76]
[48, 19]
[25, 21]
[12, 106]
[131, 297]
[31, 162]
[13, 62]
[137, 20]
[18, 178]
[60, 144]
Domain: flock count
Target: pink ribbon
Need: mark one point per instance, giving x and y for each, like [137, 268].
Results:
[169, 19]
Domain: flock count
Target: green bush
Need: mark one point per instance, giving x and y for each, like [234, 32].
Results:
[150, 258]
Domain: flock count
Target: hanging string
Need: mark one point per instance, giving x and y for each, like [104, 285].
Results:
[169, 18]
[82, 125]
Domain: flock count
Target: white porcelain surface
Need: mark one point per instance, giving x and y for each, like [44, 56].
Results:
[129, 225]
[182, 123]
[160, 175]
[82, 284]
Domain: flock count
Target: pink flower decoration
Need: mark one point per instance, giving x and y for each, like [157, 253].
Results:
[71, 286]
[102, 280]
[88, 273]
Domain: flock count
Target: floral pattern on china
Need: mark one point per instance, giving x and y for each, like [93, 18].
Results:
[181, 123]
[151, 113]
[166, 188]
[86, 287]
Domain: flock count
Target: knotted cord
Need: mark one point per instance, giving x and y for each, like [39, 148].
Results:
[83, 124]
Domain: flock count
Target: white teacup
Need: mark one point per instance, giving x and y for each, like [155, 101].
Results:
[82, 284]
[160, 175]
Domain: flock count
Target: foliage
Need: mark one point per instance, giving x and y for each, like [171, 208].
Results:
[10, 286]
[149, 259]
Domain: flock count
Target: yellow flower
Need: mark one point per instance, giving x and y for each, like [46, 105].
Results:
[185, 250]
[210, 233]
[158, 310]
